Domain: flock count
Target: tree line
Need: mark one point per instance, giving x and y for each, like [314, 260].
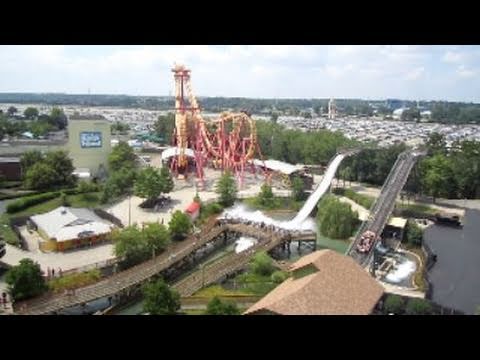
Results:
[32, 121]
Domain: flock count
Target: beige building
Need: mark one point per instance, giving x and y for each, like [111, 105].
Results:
[89, 142]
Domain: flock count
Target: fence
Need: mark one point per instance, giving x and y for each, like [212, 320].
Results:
[430, 259]
[98, 265]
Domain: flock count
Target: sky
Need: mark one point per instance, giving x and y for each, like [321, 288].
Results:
[410, 72]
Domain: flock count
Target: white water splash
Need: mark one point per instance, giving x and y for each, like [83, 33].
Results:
[402, 272]
[243, 213]
[301, 222]
[244, 243]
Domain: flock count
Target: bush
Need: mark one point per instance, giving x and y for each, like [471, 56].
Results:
[219, 307]
[418, 307]
[279, 276]
[73, 281]
[262, 264]
[211, 209]
[179, 225]
[414, 234]
[336, 219]
[28, 201]
[393, 304]
[25, 280]
[87, 187]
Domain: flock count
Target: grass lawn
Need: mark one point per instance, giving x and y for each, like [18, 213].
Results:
[217, 290]
[324, 242]
[278, 203]
[76, 280]
[6, 231]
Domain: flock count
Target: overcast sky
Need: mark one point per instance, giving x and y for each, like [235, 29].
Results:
[352, 71]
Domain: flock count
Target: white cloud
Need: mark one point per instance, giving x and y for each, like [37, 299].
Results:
[453, 57]
[243, 70]
[415, 73]
[464, 72]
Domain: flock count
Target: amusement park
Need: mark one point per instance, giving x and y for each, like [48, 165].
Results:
[221, 247]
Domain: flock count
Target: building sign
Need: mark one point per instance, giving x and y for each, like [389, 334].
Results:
[90, 139]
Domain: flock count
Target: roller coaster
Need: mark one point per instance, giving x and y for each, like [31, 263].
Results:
[371, 230]
[228, 142]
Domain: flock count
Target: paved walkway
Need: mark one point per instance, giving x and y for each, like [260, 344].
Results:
[66, 261]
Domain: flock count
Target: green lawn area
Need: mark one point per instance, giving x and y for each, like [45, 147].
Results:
[6, 231]
[76, 280]
[217, 290]
[324, 242]
[278, 203]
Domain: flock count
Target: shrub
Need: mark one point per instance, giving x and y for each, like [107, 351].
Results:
[87, 187]
[414, 234]
[279, 276]
[76, 280]
[262, 264]
[393, 304]
[28, 201]
[211, 209]
[418, 307]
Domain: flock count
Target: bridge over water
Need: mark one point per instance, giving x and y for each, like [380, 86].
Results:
[134, 277]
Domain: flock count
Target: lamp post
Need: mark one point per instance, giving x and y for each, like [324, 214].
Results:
[129, 209]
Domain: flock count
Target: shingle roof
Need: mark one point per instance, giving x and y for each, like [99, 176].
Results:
[339, 287]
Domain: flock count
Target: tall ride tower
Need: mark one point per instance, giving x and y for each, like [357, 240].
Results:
[332, 109]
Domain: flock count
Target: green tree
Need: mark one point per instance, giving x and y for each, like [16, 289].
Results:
[40, 128]
[164, 127]
[57, 118]
[130, 246]
[119, 183]
[148, 183]
[156, 236]
[40, 176]
[279, 276]
[218, 307]
[121, 157]
[31, 113]
[119, 127]
[298, 189]
[393, 304]
[30, 158]
[179, 225]
[63, 167]
[438, 178]
[262, 264]
[265, 197]
[227, 189]
[25, 280]
[167, 180]
[414, 234]
[12, 110]
[160, 299]
[436, 144]
[418, 307]
[336, 219]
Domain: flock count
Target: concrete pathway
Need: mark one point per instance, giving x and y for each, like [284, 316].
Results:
[66, 261]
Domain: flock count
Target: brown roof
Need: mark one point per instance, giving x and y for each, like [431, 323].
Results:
[339, 287]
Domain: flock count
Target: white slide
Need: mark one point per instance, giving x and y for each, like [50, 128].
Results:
[321, 189]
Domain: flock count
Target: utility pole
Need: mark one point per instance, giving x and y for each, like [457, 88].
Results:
[129, 209]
